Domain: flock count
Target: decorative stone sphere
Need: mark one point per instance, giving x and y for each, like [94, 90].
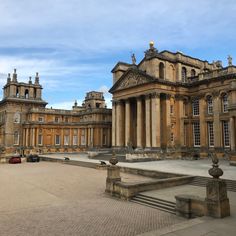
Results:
[151, 44]
[113, 160]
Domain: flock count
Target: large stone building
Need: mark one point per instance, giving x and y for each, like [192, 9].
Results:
[174, 104]
[26, 125]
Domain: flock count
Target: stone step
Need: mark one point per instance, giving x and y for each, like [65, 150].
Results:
[156, 203]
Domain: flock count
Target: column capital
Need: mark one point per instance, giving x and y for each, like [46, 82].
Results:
[155, 95]
[147, 96]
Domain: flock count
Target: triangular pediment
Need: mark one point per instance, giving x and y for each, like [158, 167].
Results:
[130, 79]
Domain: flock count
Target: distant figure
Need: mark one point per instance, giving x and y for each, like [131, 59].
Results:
[67, 158]
[230, 61]
[133, 59]
[103, 163]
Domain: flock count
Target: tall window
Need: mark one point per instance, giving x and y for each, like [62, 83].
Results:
[66, 140]
[16, 138]
[27, 93]
[57, 119]
[195, 107]
[184, 74]
[40, 139]
[225, 103]
[193, 73]
[226, 133]
[185, 134]
[75, 140]
[57, 139]
[161, 70]
[83, 141]
[210, 134]
[209, 105]
[196, 134]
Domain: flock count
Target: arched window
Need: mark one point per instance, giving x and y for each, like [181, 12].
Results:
[195, 107]
[27, 93]
[193, 73]
[225, 102]
[184, 74]
[161, 70]
[17, 93]
[209, 105]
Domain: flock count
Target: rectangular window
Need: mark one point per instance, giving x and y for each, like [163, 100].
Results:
[210, 134]
[83, 139]
[195, 106]
[66, 140]
[16, 138]
[57, 119]
[226, 133]
[196, 134]
[57, 140]
[40, 139]
[41, 119]
[75, 140]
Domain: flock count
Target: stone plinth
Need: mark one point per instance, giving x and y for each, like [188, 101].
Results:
[113, 176]
[217, 202]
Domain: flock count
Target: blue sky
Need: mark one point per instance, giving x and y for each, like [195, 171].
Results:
[74, 44]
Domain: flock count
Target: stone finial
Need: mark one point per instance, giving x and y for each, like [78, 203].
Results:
[215, 171]
[36, 78]
[230, 60]
[133, 59]
[151, 44]
[14, 76]
[152, 51]
[113, 160]
[75, 103]
[30, 80]
[8, 78]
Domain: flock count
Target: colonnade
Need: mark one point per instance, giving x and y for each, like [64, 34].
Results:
[137, 122]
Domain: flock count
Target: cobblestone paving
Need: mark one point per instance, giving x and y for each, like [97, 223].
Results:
[55, 199]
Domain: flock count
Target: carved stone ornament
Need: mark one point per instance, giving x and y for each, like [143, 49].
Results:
[131, 80]
[113, 160]
[215, 171]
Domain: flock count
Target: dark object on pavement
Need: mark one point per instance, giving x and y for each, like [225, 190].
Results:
[15, 160]
[67, 158]
[103, 163]
[33, 158]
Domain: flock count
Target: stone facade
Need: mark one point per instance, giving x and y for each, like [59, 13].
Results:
[26, 125]
[173, 103]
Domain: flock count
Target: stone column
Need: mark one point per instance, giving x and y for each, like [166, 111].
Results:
[27, 137]
[91, 137]
[232, 133]
[168, 121]
[127, 122]
[33, 137]
[155, 120]
[113, 123]
[148, 119]
[216, 124]
[139, 122]
[119, 125]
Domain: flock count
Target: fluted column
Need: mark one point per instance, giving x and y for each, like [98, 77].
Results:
[232, 133]
[147, 119]
[216, 124]
[127, 122]
[114, 124]
[139, 122]
[202, 110]
[119, 125]
[155, 104]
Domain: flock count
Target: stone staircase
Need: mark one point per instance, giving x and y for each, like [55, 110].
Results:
[202, 181]
[153, 202]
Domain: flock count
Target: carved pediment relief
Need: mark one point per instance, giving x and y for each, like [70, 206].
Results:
[131, 80]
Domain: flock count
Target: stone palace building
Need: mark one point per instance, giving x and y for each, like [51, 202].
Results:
[26, 126]
[175, 104]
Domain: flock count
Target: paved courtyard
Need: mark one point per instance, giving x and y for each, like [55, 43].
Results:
[55, 199]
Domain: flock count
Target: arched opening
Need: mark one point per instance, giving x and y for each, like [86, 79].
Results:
[35, 92]
[161, 70]
[17, 93]
[184, 74]
[193, 73]
[27, 93]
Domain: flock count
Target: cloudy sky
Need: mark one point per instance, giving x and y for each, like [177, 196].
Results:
[74, 44]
